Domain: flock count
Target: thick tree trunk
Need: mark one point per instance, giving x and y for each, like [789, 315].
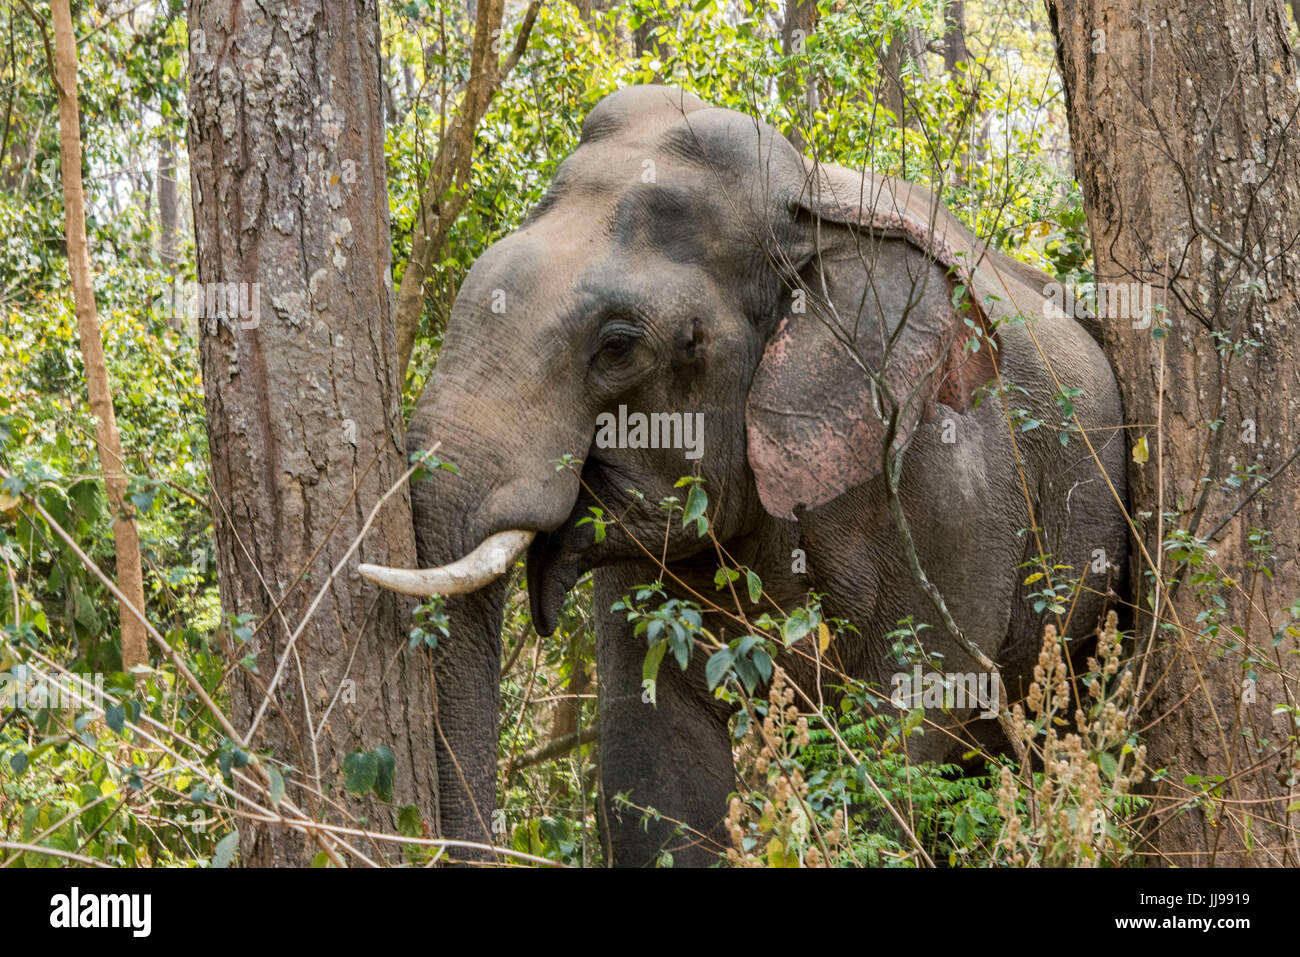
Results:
[126, 538]
[1183, 118]
[303, 398]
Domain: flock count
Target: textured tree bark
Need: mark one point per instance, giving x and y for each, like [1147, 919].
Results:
[1183, 122]
[800, 23]
[954, 36]
[167, 201]
[302, 391]
[908, 45]
[126, 538]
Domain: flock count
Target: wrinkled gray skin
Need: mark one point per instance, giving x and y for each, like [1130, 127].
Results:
[663, 296]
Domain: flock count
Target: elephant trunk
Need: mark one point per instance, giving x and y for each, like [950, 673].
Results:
[470, 525]
[502, 430]
[466, 699]
[488, 561]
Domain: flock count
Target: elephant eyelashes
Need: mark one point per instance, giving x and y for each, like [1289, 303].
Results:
[617, 339]
[617, 345]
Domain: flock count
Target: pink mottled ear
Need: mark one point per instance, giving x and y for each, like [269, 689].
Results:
[878, 284]
[813, 432]
[814, 423]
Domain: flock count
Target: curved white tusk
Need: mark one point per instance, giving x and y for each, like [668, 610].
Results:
[493, 556]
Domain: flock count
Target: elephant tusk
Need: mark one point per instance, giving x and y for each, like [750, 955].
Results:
[492, 557]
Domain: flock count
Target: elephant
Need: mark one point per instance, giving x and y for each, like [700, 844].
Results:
[817, 324]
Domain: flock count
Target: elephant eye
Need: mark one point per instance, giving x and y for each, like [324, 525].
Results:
[617, 339]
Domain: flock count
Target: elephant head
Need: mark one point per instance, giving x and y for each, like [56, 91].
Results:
[686, 262]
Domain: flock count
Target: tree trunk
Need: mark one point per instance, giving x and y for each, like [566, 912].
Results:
[303, 397]
[1183, 122]
[167, 200]
[954, 36]
[967, 76]
[644, 41]
[799, 79]
[905, 46]
[126, 538]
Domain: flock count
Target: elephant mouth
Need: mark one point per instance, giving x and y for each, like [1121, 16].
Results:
[558, 558]
[552, 571]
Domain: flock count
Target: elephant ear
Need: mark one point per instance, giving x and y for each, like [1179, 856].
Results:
[881, 290]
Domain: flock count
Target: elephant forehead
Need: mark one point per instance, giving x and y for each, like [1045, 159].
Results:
[599, 177]
[539, 258]
[720, 156]
[681, 222]
[679, 219]
[641, 106]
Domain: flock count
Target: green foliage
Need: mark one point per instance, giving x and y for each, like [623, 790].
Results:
[372, 770]
[431, 623]
[89, 784]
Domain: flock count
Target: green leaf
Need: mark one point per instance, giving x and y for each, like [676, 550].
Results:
[650, 669]
[143, 501]
[19, 762]
[115, 717]
[777, 855]
[277, 785]
[409, 822]
[224, 852]
[717, 667]
[697, 500]
[963, 829]
[1108, 764]
[794, 628]
[755, 586]
[360, 771]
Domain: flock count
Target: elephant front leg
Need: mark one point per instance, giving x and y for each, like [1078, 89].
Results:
[672, 757]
